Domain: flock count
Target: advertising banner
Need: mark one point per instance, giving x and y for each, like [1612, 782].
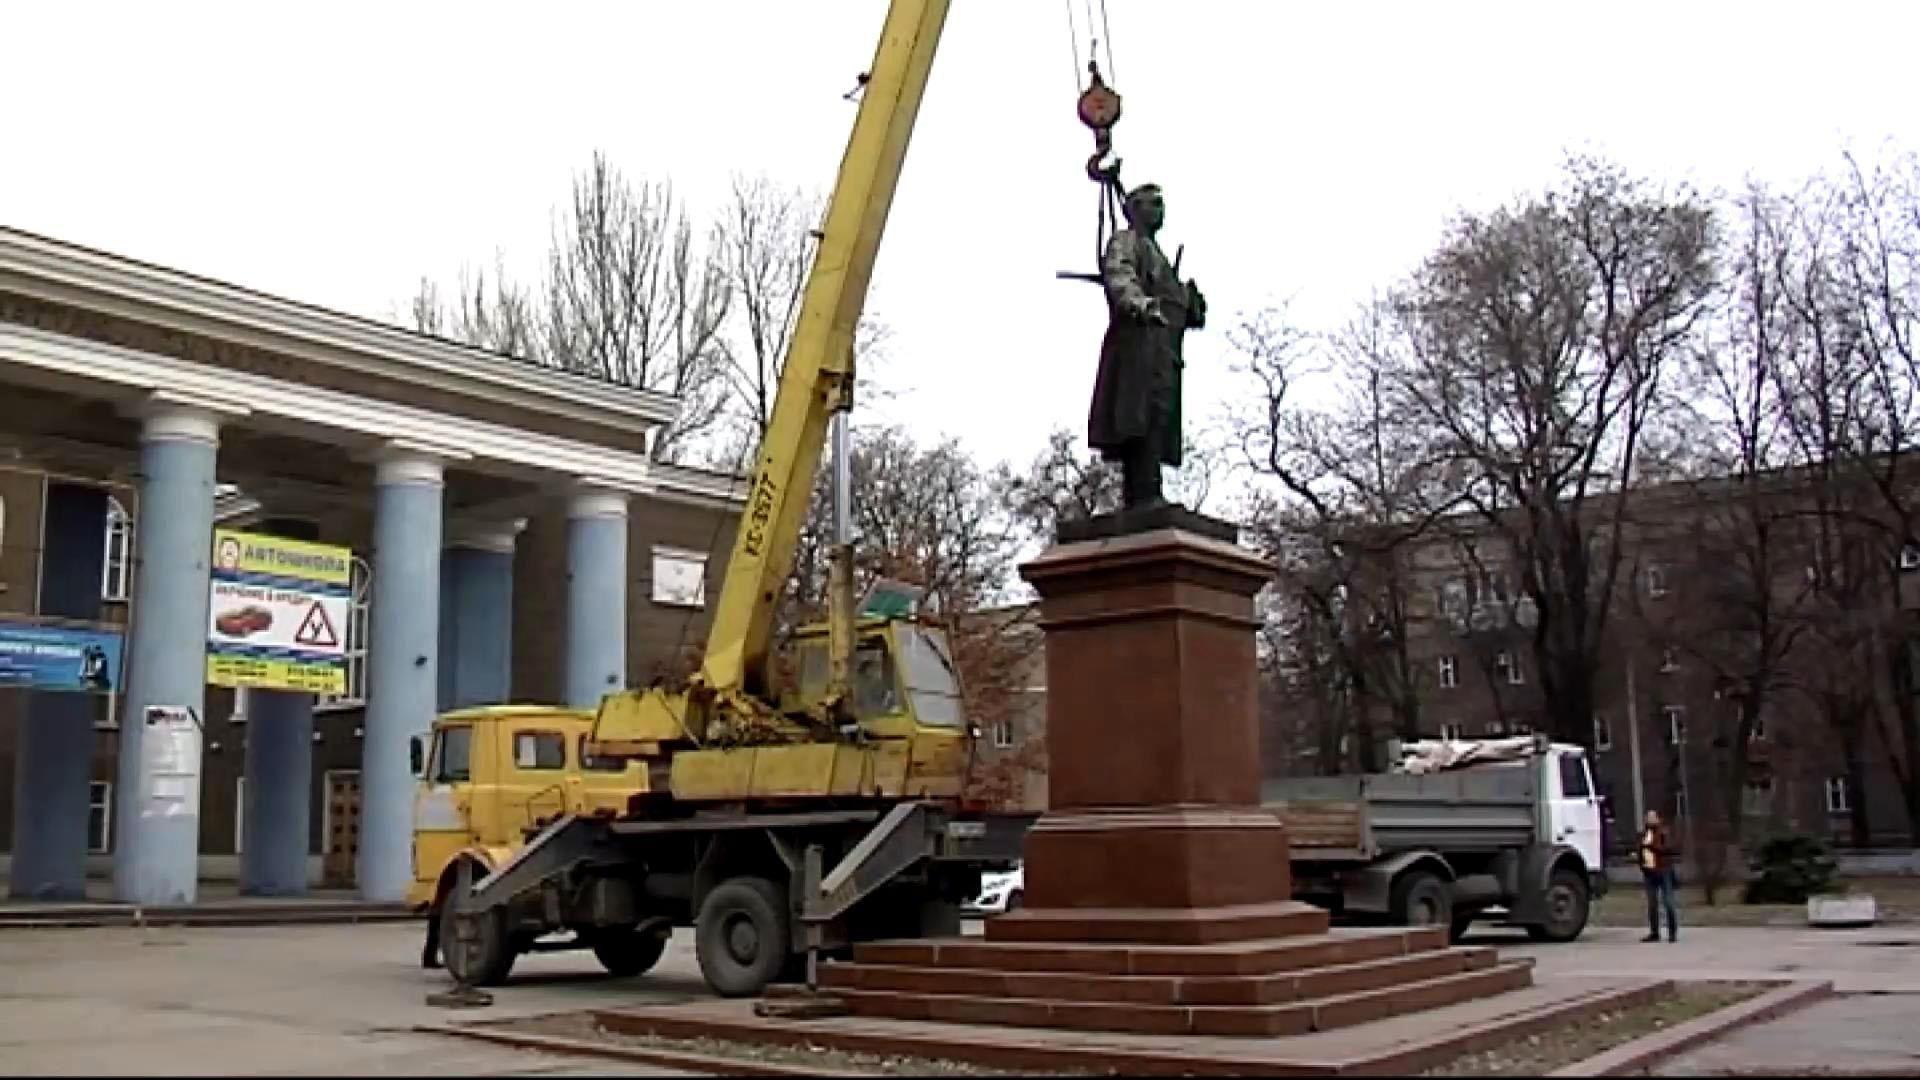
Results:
[37, 656]
[278, 615]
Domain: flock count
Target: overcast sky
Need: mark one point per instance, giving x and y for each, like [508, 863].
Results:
[335, 152]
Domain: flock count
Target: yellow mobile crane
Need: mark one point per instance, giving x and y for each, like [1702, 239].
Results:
[777, 816]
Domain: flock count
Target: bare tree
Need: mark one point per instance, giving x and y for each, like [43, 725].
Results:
[1538, 339]
[632, 298]
[1350, 499]
[1730, 549]
[769, 235]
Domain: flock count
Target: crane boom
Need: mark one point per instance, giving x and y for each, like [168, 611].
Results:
[817, 375]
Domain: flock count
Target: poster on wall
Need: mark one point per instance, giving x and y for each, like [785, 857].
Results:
[39, 656]
[278, 616]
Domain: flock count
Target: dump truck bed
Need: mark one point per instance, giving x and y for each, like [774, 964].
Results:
[1330, 818]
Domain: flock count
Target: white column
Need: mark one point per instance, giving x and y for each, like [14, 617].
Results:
[402, 662]
[596, 593]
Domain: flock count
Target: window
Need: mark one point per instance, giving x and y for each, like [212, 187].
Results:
[1451, 597]
[599, 764]
[1451, 732]
[1004, 733]
[1759, 732]
[1573, 778]
[1676, 719]
[679, 577]
[1449, 672]
[1656, 580]
[1757, 800]
[539, 750]
[99, 817]
[355, 645]
[1679, 803]
[1496, 727]
[1669, 659]
[1602, 732]
[1508, 668]
[1837, 802]
[453, 756]
[1910, 556]
[116, 570]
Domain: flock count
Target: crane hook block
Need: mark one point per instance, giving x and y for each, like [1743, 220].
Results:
[1099, 105]
[1099, 109]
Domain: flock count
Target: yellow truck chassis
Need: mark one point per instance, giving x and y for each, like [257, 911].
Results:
[765, 891]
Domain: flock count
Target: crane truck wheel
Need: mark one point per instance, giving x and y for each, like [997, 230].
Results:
[1421, 898]
[1568, 903]
[741, 937]
[628, 951]
[485, 961]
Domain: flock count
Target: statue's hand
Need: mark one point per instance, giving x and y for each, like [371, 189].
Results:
[1149, 312]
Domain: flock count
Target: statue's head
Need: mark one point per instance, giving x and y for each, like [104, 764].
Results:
[1145, 209]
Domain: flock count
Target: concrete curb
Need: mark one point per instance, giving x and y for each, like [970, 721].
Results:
[992, 1047]
[705, 1064]
[77, 917]
[1633, 1056]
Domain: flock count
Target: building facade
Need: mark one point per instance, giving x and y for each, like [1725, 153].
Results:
[511, 538]
[1677, 653]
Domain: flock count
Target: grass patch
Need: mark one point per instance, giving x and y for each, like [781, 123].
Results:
[1896, 898]
[819, 1059]
[1539, 1054]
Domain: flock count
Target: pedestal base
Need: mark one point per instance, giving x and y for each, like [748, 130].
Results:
[1161, 875]
[1158, 893]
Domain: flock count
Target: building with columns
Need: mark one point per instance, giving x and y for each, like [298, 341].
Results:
[512, 540]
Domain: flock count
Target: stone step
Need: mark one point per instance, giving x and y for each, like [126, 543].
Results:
[1160, 926]
[1304, 984]
[1269, 1020]
[1261, 957]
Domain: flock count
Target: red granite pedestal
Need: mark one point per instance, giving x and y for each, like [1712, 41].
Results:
[1158, 891]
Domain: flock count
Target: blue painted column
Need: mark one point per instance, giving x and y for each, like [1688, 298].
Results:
[402, 668]
[476, 616]
[596, 594]
[278, 815]
[55, 746]
[157, 847]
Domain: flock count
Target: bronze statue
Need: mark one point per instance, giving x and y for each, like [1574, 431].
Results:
[1135, 417]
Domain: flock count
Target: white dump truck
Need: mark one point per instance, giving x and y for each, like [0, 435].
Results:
[1501, 830]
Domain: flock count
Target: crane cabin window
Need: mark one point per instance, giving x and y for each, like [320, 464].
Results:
[931, 677]
[876, 692]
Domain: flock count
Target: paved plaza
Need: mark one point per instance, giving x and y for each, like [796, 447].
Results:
[338, 1000]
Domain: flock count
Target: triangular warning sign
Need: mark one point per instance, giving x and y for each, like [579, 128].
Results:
[316, 629]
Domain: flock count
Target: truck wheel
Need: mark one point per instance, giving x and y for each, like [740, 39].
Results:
[1568, 902]
[628, 951]
[485, 961]
[1421, 898]
[741, 937]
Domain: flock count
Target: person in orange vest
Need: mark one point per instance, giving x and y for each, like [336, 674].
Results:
[1656, 873]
